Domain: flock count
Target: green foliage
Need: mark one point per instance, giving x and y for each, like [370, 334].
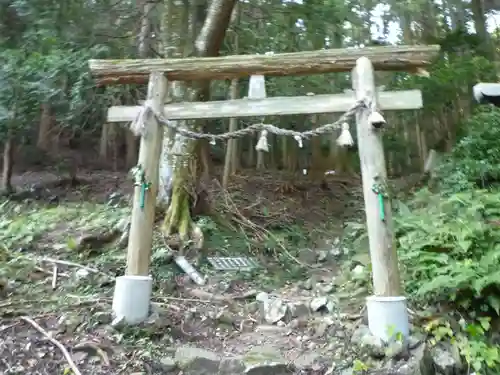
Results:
[471, 341]
[474, 159]
[449, 248]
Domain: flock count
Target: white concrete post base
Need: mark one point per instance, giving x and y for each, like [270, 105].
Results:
[387, 316]
[131, 300]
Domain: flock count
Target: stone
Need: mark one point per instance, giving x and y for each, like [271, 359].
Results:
[308, 284]
[362, 259]
[318, 302]
[322, 256]
[196, 361]
[266, 361]
[327, 289]
[415, 339]
[272, 329]
[446, 359]
[395, 349]
[262, 297]
[82, 274]
[231, 366]
[419, 363]
[102, 317]
[320, 329]
[298, 309]
[358, 334]
[373, 346]
[168, 364]
[359, 270]
[307, 256]
[309, 361]
[274, 310]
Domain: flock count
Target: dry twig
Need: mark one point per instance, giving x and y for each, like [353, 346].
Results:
[60, 346]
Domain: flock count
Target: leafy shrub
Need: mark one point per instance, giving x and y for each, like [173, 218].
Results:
[449, 247]
[474, 161]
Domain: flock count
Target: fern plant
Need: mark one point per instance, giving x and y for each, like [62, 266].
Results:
[450, 248]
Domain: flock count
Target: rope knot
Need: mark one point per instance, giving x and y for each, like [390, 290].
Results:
[139, 125]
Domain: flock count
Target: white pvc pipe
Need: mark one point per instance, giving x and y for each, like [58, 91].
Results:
[387, 316]
[131, 300]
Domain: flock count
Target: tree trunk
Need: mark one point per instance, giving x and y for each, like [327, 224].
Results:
[45, 129]
[185, 179]
[8, 164]
[479, 17]
[132, 149]
[104, 141]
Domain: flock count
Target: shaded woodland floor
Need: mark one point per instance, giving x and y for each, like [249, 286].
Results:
[55, 274]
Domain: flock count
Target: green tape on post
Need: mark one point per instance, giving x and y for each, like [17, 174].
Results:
[381, 205]
[140, 180]
[377, 189]
[144, 188]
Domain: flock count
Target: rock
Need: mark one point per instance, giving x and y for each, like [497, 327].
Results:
[262, 297]
[82, 274]
[231, 366]
[446, 359]
[318, 302]
[271, 310]
[370, 344]
[272, 329]
[362, 258]
[359, 270]
[274, 310]
[373, 346]
[320, 329]
[328, 288]
[266, 361]
[197, 361]
[308, 284]
[322, 256]
[414, 340]
[307, 256]
[102, 317]
[395, 350]
[359, 333]
[298, 309]
[168, 364]
[310, 362]
[420, 363]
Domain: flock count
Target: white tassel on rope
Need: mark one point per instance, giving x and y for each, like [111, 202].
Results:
[345, 138]
[376, 119]
[262, 143]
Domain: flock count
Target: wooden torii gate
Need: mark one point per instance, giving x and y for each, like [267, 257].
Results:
[386, 307]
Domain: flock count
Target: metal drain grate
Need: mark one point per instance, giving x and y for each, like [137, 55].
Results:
[232, 264]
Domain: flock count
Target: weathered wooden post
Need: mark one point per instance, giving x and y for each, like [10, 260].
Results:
[387, 312]
[133, 291]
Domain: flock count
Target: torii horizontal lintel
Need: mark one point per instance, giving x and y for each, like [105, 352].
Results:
[409, 58]
[285, 105]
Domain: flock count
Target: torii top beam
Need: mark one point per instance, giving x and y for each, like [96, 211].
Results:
[386, 58]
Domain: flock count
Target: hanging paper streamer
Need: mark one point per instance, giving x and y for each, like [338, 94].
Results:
[262, 143]
[298, 138]
[257, 87]
[345, 138]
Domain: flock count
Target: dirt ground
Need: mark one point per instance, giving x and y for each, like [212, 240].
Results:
[56, 290]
